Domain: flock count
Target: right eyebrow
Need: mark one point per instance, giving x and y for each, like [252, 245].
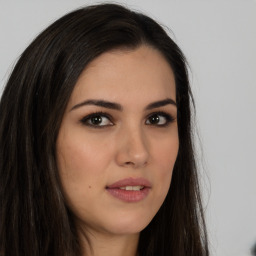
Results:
[100, 103]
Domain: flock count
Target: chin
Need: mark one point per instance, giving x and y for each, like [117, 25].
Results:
[129, 224]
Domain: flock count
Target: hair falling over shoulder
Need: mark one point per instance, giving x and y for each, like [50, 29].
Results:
[34, 219]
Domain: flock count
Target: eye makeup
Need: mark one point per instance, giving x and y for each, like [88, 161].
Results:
[102, 119]
[98, 119]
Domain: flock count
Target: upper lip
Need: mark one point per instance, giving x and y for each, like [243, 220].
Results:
[130, 182]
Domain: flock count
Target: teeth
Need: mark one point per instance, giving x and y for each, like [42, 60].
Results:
[135, 188]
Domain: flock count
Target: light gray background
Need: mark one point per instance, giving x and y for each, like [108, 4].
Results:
[219, 40]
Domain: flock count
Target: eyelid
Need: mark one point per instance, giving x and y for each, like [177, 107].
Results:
[169, 118]
[95, 114]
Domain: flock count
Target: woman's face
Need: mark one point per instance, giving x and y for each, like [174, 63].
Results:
[118, 141]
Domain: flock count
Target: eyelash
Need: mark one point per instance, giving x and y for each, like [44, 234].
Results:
[169, 118]
[85, 120]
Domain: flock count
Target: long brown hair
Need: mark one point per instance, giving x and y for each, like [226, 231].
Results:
[34, 219]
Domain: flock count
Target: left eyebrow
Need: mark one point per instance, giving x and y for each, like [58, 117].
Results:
[160, 103]
[116, 106]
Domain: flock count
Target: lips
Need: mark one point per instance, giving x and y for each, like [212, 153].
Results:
[130, 189]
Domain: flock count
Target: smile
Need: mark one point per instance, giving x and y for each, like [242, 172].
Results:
[130, 189]
[134, 188]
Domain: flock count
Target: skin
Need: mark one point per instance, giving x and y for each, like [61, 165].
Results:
[127, 144]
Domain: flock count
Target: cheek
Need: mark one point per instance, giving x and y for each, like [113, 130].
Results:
[165, 157]
[166, 153]
[81, 170]
[78, 167]
[79, 156]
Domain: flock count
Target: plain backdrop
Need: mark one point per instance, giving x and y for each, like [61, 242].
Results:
[219, 40]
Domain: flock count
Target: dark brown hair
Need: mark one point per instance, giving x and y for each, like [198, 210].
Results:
[34, 219]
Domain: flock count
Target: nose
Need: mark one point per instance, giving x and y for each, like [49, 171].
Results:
[132, 149]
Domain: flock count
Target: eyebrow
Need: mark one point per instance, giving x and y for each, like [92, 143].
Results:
[117, 106]
[161, 103]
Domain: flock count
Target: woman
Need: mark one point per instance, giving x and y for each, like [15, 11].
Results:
[96, 154]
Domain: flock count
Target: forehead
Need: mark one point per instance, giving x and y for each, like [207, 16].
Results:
[119, 75]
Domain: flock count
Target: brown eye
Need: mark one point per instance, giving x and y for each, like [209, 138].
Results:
[97, 120]
[155, 119]
[159, 119]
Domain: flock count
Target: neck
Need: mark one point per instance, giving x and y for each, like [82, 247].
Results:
[108, 244]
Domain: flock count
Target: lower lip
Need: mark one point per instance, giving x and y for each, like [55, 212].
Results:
[129, 195]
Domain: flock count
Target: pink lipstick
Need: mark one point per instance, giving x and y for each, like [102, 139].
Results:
[130, 189]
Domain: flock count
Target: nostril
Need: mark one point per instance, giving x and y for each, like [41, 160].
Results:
[129, 163]
[135, 164]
